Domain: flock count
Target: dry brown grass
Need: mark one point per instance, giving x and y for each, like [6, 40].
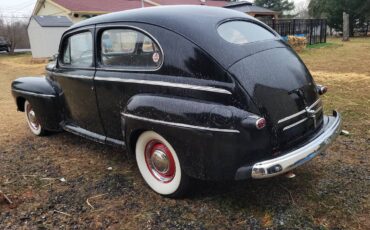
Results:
[331, 191]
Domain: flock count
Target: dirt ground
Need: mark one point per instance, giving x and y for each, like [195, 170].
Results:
[330, 192]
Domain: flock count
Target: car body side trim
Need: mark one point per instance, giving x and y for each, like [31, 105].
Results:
[33, 94]
[164, 83]
[180, 124]
[72, 75]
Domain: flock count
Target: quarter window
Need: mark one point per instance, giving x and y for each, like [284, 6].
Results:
[127, 48]
[242, 32]
[78, 50]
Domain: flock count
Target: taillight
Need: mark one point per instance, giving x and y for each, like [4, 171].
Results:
[321, 89]
[261, 123]
[254, 122]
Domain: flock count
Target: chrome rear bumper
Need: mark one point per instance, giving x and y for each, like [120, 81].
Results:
[292, 159]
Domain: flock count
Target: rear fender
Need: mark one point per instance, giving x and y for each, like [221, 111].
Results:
[202, 133]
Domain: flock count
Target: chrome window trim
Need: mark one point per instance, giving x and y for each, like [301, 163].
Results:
[33, 94]
[180, 124]
[164, 83]
[123, 26]
[299, 113]
[69, 34]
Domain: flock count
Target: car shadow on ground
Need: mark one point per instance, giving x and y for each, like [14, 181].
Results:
[258, 192]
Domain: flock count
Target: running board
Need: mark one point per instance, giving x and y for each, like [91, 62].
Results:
[93, 136]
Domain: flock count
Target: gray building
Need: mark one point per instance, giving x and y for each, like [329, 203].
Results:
[45, 32]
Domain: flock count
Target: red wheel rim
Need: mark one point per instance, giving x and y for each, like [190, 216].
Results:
[160, 161]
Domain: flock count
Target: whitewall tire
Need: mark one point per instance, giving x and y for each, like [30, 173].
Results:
[32, 121]
[159, 165]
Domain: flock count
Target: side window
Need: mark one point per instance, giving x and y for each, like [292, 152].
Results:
[129, 49]
[78, 50]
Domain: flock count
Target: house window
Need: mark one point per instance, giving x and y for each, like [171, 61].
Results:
[129, 49]
[78, 50]
[242, 32]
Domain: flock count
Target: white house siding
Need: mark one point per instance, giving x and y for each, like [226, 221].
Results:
[44, 41]
[49, 9]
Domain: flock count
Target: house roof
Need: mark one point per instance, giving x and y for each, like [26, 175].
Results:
[192, 2]
[120, 5]
[248, 7]
[52, 21]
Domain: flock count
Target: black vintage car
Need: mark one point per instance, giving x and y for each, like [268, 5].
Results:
[192, 91]
[4, 45]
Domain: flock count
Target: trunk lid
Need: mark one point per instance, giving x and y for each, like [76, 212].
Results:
[284, 91]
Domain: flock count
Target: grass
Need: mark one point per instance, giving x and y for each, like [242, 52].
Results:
[330, 192]
[321, 45]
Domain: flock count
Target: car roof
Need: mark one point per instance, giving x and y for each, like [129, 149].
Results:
[196, 23]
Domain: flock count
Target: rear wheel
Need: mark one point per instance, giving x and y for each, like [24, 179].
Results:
[32, 120]
[160, 166]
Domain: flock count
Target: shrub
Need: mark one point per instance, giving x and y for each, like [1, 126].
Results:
[297, 43]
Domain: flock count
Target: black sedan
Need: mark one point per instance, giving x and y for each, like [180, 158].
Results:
[191, 91]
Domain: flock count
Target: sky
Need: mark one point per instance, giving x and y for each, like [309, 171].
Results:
[23, 8]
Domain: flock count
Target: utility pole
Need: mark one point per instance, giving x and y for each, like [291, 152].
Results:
[345, 26]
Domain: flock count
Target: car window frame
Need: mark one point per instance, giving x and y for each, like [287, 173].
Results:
[253, 21]
[104, 27]
[62, 46]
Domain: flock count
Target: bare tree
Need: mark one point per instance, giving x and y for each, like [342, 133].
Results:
[15, 31]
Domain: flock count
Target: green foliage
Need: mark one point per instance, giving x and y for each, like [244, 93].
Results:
[358, 10]
[276, 5]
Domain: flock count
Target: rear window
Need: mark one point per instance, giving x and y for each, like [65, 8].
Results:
[242, 32]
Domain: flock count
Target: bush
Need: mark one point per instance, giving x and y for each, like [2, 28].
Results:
[297, 43]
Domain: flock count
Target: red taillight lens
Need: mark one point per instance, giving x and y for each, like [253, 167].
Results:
[261, 123]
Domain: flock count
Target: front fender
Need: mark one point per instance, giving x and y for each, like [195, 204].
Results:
[43, 98]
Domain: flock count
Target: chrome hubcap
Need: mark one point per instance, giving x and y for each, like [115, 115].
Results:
[160, 161]
[32, 117]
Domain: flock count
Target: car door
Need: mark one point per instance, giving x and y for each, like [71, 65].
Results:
[74, 74]
[127, 56]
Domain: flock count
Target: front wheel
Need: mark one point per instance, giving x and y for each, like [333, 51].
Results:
[32, 120]
[160, 166]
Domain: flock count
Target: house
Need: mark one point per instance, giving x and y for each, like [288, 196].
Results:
[82, 9]
[252, 10]
[78, 10]
[44, 33]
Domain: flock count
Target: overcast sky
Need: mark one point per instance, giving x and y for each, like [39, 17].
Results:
[19, 8]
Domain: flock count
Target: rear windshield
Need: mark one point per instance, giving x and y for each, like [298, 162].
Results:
[242, 32]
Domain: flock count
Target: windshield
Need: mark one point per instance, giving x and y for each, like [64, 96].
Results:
[242, 32]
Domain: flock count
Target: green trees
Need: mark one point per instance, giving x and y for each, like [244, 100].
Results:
[358, 10]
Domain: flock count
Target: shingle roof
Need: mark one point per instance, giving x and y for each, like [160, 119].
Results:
[192, 2]
[53, 21]
[120, 5]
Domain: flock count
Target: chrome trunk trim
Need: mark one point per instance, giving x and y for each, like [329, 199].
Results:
[294, 124]
[298, 113]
